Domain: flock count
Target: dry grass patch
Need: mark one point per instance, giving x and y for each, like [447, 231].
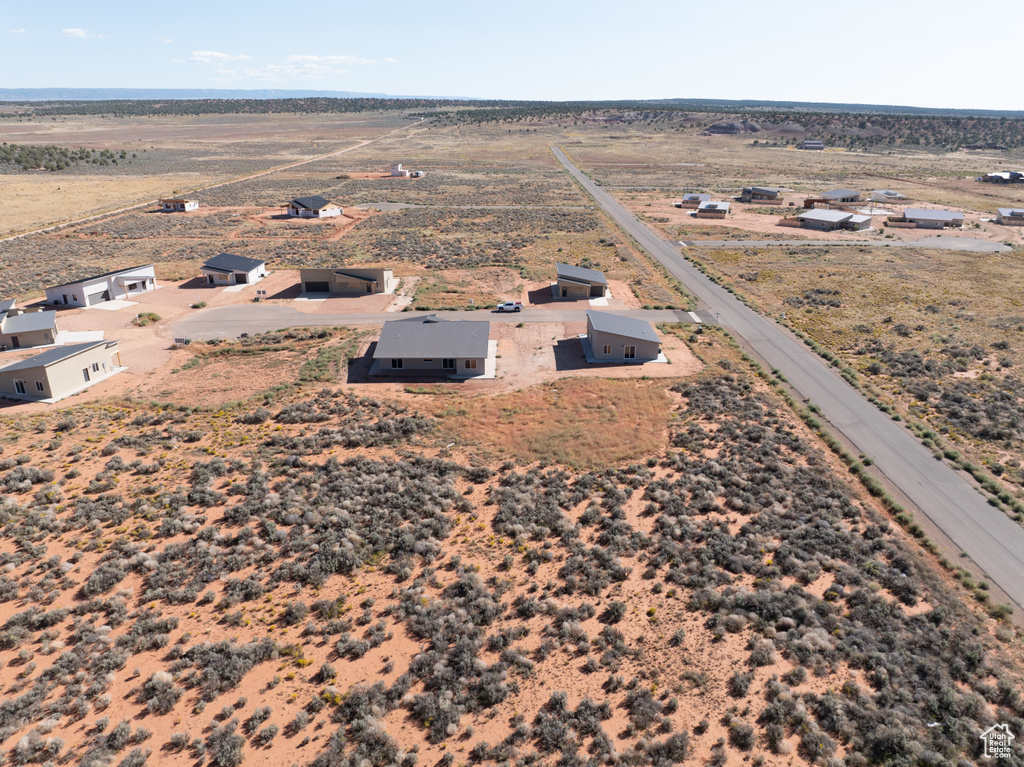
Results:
[581, 423]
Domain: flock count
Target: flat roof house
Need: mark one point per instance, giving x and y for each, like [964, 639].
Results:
[579, 282]
[812, 144]
[398, 172]
[60, 372]
[760, 194]
[178, 205]
[933, 219]
[430, 344]
[613, 338]
[21, 329]
[692, 200]
[313, 207]
[229, 269]
[347, 280]
[829, 220]
[885, 195]
[712, 209]
[842, 195]
[111, 286]
[1011, 216]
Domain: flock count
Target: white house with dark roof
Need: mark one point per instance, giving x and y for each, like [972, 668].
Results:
[579, 282]
[229, 269]
[111, 286]
[178, 205]
[313, 207]
[614, 338]
[431, 345]
[824, 220]
[928, 218]
[23, 328]
[61, 371]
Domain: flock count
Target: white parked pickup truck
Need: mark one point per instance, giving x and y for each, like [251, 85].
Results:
[511, 306]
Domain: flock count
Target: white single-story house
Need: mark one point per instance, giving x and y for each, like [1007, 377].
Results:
[886, 195]
[313, 207]
[61, 371]
[429, 344]
[178, 205]
[842, 195]
[399, 172]
[111, 286]
[344, 279]
[1011, 216]
[925, 218]
[828, 220]
[761, 194]
[579, 282]
[712, 209]
[229, 269]
[22, 328]
[692, 200]
[613, 338]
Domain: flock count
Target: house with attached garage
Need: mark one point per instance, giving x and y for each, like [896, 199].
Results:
[122, 284]
[692, 200]
[61, 371]
[926, 218]
[761, 194]
[349, 281]
[22, 328]
[1011, 216]
[178, 205]
[229, 269]
[830, 220]
[842, 195]
[313, 207]
[614, 338]
[579, 282]
[432, 345]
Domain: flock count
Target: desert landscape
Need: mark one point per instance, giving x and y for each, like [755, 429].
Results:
[245, 547]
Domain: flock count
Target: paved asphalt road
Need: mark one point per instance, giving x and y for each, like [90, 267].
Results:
[232, 321]
[991, 539]
[944, 243]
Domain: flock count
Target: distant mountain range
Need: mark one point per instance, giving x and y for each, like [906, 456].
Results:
[115, 94]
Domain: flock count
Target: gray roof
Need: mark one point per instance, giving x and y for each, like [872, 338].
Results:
[617, 325]
[932, 215]
[713, 205]
[100, 276]
[6, 306]
[887, 192]
[580, 274]
[232, 263]
[697, 197]
[431, 337]
[838, 194]
[831, 216]
[28, 322]
[56, 354]
[764, 189]
[316, 202]
[1015, 212]
[858, 218]
[352, 276]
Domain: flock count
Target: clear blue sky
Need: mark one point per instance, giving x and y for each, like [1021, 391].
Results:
[915, 52]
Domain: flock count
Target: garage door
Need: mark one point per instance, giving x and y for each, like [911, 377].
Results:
[97, 298]
[318, 287]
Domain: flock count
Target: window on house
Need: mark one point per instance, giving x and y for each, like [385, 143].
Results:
[95, 367]
[397, 364]
[19, 386]
[448, 364]
[629, 352]
[470, 364]
[39, 386]
[607, 349]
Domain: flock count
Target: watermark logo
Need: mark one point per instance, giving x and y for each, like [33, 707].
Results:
[997, 740]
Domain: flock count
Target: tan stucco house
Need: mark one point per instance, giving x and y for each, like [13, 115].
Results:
[21, 328]
[430, 344]
[579, 282]
[614, 338]
[61, 371]
[229, 269]
[347, 280]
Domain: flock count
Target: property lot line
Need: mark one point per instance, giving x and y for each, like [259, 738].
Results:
[943, 243]
[231, 321]
[990, 538]
[97, 216]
